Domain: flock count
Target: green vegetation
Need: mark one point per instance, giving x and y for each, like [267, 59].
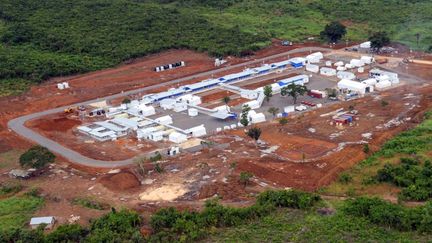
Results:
[90, 203]
[386, 214]
[36, 157]
[245, 177]
[414, 177]
[254, 133]
[172, 225]
[333, 32]
[294, 90]
[283, 121]
[9, 188]
[42, 39]
[379, 40]
[244, 115]
[290, 225]
[122, 226]
[268, 92]
[402, 161]
[16, 211]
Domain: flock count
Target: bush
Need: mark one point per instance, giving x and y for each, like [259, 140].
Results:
[67, 233]
[10, 188]
[245, 177]
[387, 214]
[414, 178]
[169, 224]
[345, 178]
[36, 157]
[289, 199]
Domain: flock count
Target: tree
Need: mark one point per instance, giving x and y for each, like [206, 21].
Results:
[226, 100]
[268, 92]
[126, 101]
[379, 40]
[294, 90]
[254, 133]
[244, 115]
[429, 50]
[366, 148]
[273, 111]
[418, 35]
[283, 121]
[36, 157]
[245, 177]
[333, 32]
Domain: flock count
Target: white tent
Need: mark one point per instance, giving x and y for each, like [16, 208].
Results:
[177, 137]
[312, 68]
[314, 57]
[345, 75]
[253, 104]
[179, 107]
[197, 131]
[341, 68]
[365, 45]
[257, 118]
[383, 84]
[354, 86]
[340, 63]
[357, 63]
[367, 59]
[327, 71]
[289, 109]
[164, 120]
[146, 110]
[167, 104]
[192, 112]
[370, 81]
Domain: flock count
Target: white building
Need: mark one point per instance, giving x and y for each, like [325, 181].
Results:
[353, 86]
[197, 131]
[37, 221]
[312, 68]
[345, 75]
[164, 120]
[393, 77]
[327, 71]
[177, 137]
[357, 63]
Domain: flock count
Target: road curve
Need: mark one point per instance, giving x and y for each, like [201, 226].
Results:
[17, 124]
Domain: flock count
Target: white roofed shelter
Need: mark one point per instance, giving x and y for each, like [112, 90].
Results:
[353, 86]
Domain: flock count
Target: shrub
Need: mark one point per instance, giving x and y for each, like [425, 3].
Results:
[283, 121]
[345, 178]
[245, 177]
[67, 233]
[36, 157]
[366, 148]
[10, 188]
[289, 198]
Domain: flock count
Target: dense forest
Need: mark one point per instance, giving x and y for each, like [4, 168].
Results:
[42, 39]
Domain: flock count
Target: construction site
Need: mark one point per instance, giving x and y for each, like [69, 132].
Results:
[175, 104]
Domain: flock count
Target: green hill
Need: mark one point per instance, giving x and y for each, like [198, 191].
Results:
[42, 39]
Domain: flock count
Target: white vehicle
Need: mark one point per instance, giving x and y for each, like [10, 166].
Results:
[300, 108]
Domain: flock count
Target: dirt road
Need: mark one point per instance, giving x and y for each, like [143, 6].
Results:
[18, 124]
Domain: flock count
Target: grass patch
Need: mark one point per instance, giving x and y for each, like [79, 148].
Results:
[90, 203]
[9, 159]
[9, 188]
[15, 212]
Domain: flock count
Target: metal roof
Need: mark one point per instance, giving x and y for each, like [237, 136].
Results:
[42, 220]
